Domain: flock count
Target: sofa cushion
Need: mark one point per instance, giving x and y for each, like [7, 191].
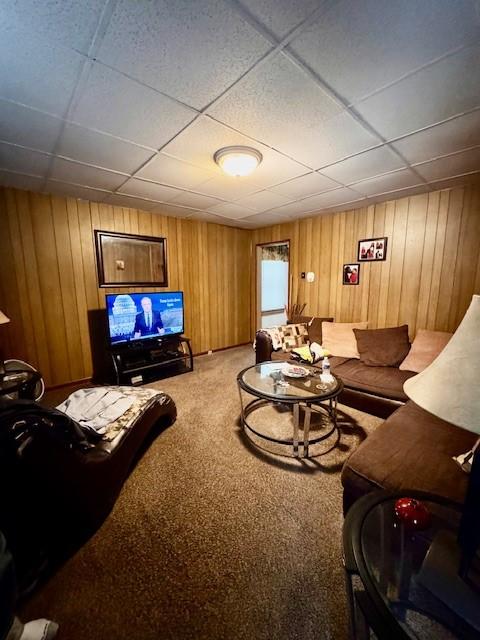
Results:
[412, 450]
[386, 382]
[383, 347]
[425, 348]
[339, 339]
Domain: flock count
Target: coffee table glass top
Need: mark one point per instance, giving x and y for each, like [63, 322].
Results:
[269, 380]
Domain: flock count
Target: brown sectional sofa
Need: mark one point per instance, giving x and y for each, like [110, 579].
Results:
[411, 450]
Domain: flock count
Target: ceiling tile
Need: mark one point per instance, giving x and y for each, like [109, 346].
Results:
[28, 127]
[305, 186]
[81, 174]
[101, 150]
[205, 216]
[168, 170]
[231, 210]
[122, 200]
[20, 181]
[14, 158]
[341, 137]
[75, 191]
[453, 135]
[171, 210]
[387, 182]
[360, 46]
[191, 51]
[67, 22]
[280, 16]
[151, 190]
[194, 200]
[199, 141]
[36, 73]
[228, 188]
[280, 105]
[141, 114]
[267, 218]
[446, 88]
[364, 165]
[293, 209]
[449, 166]
[331, 198]
[262, 201]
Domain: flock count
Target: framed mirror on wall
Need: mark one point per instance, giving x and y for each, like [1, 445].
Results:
[128, 260]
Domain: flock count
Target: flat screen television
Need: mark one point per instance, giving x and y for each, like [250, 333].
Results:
[144, 316]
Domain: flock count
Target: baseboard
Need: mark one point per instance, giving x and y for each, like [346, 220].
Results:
[233, 346]
[89, 380]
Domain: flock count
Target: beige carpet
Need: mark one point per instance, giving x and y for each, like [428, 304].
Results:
[211, 537]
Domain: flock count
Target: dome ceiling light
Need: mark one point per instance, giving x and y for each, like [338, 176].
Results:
[238, 161]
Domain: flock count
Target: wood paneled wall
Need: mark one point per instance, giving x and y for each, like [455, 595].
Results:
[427, 281]
[48, 279]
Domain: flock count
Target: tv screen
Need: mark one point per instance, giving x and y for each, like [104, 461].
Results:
[143, 316]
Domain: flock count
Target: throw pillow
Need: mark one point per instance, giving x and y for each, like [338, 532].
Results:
[293, 335]
[425, 348]
[383, 347]
[314, 326]
[339, 339]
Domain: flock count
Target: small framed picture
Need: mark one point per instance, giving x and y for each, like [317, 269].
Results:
[351, 273]
[372, 249]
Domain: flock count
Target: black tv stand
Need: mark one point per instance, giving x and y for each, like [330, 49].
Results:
[140, 362]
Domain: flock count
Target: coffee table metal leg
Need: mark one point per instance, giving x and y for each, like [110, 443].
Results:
[242, 414]
[306, 429]
[296, 419]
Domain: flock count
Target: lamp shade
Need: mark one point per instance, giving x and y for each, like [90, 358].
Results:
[3, 318]
[450, 386]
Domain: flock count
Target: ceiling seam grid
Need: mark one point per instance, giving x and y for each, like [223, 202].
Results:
[102, 26]
[287, 38]
[268, 54]
[277, 46]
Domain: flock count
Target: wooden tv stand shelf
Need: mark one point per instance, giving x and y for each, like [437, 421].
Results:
[137, 363]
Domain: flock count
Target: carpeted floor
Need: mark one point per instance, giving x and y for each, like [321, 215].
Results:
[211, 537]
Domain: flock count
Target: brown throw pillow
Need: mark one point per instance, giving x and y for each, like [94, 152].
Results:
[383, 347]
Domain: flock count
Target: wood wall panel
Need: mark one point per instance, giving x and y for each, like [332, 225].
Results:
[48, 278]
[48, 281]
[427, 281]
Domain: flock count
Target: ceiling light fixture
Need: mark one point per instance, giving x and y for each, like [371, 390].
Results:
[238, 161]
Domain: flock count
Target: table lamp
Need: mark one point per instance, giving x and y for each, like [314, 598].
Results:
[450, 389]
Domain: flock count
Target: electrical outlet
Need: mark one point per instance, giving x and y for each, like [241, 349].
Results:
[210, 352]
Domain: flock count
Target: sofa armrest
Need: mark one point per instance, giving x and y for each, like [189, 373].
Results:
[263, 347]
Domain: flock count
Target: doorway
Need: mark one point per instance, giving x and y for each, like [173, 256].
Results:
[273, 277]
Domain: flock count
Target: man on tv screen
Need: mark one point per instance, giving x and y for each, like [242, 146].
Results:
[148, 322]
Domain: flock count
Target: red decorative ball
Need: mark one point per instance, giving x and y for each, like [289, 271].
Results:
[413, 513]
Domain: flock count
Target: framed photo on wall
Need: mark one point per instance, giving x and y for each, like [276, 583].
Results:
[351, 273]
[372, 249]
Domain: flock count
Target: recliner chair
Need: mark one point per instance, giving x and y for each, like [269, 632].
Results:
[60, 486]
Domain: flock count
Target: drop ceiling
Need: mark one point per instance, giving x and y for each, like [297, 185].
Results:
[349, 102]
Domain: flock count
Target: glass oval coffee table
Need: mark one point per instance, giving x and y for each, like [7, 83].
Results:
[274, 391]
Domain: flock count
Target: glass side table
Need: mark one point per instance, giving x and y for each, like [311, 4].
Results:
[395, 575]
